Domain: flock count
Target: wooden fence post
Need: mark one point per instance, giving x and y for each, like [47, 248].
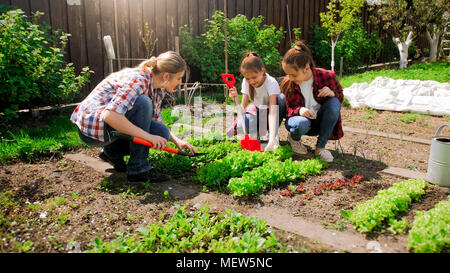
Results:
[226, 43]
[177, 50]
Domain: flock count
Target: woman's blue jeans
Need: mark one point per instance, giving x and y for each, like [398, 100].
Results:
[323, 125]
[141, 116]
[257, 126]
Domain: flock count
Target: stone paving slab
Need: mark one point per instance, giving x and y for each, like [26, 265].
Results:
[404, 173]
[95, 163]
[382, 134]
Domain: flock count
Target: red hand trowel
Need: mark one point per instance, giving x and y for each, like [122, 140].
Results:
[247, 143]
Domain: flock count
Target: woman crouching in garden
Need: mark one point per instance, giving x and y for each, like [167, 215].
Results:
[313, 101]
[129, 101]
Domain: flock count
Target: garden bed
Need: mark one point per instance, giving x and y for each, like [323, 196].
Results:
[62, 205]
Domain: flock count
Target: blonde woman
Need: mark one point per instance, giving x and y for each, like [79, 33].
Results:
[129, 101]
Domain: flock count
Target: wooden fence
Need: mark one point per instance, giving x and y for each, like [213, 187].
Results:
[89, 20]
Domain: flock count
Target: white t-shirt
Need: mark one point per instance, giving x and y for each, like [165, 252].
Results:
[268, 88]
[307, 92]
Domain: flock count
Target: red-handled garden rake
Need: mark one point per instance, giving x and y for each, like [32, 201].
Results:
[247, 143]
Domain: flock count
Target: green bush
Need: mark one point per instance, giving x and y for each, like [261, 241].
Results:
[206, 52]
[33, 71]
[356, 46]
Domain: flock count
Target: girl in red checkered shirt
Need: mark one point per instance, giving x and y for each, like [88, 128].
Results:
[313, 101]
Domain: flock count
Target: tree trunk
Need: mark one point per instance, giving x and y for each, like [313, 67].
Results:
[333, 46]
[403, 49]
[433, 39]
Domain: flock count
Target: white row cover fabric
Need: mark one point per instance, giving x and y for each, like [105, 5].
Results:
[428, 97]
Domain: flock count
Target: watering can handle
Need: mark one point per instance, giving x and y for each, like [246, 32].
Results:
[438, 132]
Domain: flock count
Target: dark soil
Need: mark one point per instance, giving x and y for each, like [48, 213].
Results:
[62, 205]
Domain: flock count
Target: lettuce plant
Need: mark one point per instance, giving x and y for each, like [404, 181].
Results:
[234, 164]
[272, 174]
[385, 205]
[431, 229]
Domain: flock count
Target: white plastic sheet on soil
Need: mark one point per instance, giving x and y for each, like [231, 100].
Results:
[428, 97]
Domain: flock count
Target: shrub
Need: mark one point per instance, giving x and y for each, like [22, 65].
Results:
[356, 47]
[33, 71]
[206, 52]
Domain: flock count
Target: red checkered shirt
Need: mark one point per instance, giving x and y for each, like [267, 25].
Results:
[295, 100]
[118, 93]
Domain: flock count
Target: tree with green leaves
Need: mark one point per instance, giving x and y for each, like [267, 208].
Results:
[206, 52]
[396, 17]
[431, 17]
[340, 16]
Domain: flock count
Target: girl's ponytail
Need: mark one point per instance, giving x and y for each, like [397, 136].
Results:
[170, 62]
[298, 58]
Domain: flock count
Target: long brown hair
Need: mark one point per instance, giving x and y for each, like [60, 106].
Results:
[252, 62]
[298, 58]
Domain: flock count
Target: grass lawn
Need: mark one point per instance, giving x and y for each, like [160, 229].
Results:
[29, 143]
[438, 71]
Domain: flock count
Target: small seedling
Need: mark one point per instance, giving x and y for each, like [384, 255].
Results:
[408, 117]
[60, 201]
[370, 114]
[338, 225]
[166, 195]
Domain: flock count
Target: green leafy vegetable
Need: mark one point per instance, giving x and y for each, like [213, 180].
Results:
[196, 232]
[234, 164]
[431, 229]
[386, 204]
[272, 174]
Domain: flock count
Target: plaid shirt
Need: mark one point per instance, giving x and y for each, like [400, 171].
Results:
[118, 93]
[295, 100]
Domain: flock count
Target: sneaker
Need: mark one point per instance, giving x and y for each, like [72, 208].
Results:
[119, 166]
[297, 146]
[151, 175]
[324, 154]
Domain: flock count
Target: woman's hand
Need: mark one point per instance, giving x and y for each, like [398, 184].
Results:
[326, 92]
[184, 144]
[159, 143]
[305, 112]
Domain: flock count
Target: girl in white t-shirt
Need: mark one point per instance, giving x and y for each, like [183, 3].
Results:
[266, 101]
